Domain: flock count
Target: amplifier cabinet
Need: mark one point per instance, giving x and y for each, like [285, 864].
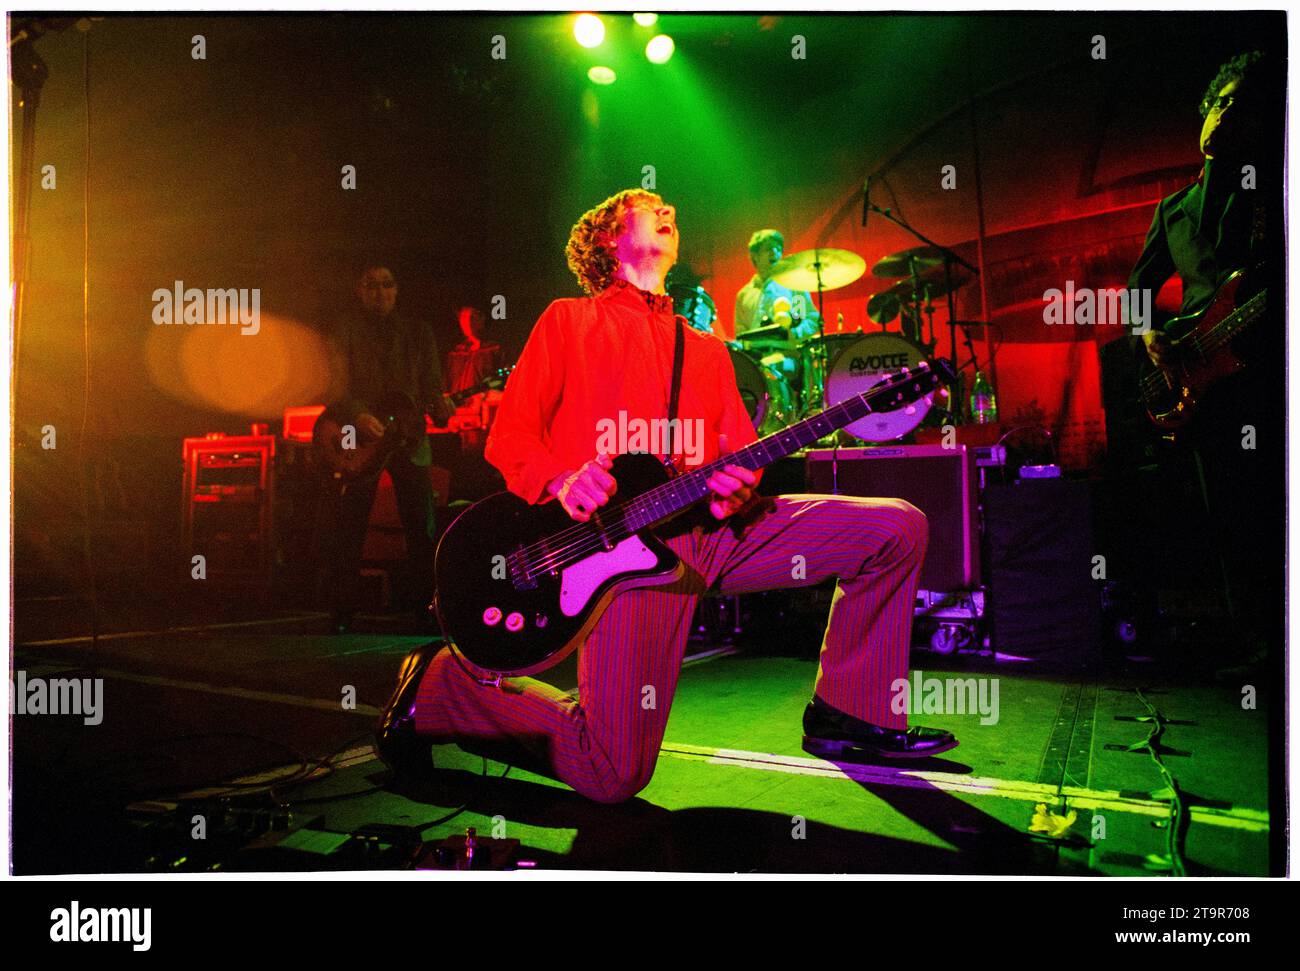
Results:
[939, 481]
[228, 506]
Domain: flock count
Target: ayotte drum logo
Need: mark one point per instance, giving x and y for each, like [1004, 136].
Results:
[866, 362]
[876, 363]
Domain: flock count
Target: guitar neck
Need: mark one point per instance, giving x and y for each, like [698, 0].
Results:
[460, 397]
[680, 493]
[1237, 321]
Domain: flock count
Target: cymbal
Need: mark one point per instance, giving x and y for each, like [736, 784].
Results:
[921, 258]
[838, 267]
[884, 306]
[933, 282]
[768, 334]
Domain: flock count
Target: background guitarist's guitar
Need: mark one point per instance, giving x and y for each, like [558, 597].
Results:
[520, 586]
[403, 425]
[1201, 353]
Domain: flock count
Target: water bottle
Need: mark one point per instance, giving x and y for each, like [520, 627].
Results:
[983, 402]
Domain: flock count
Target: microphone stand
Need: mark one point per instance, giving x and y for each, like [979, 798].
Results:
[949, 258]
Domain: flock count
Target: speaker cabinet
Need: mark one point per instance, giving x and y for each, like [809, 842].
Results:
[1043, 600]
[939, 481]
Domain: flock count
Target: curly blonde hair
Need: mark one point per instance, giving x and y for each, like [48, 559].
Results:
[590, 250]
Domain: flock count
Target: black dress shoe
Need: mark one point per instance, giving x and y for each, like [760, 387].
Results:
[396, 742]
[830, 733]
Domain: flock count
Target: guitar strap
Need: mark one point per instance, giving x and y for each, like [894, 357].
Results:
[679, 353]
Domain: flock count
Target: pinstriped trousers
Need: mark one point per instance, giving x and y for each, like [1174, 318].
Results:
[605, 742]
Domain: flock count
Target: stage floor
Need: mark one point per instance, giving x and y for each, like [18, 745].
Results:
[213, 713]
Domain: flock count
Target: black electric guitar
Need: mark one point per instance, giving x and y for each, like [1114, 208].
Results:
[348, 456]
[520, 586]
[1201, 350]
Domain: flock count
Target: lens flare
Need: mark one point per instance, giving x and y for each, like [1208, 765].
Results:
[589, 30]
[660, 49]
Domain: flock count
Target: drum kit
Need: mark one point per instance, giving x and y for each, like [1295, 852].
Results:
[782, 380]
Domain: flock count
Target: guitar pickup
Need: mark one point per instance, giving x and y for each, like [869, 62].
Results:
[520, 574]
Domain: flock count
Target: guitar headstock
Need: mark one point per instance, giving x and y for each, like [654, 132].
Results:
[942, 370]
[910, 384]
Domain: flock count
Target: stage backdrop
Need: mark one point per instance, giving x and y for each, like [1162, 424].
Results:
[477, 141]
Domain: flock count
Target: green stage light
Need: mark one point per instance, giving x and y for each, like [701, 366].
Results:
[645, 19]
[601, 75]
[660, 49]
[589, 30]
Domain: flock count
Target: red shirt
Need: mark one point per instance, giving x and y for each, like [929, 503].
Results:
[589, 359]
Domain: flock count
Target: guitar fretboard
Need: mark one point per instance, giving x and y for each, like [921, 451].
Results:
[612, 525]
[662, 502]
[1233, 324]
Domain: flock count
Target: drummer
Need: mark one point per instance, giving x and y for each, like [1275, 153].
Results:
[763, 301]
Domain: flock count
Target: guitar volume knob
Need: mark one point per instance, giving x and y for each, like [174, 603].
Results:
[492, 616]
[515, 621]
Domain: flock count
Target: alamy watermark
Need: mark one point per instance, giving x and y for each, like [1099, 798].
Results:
[945, 696]
[624, 435]
[1084, 306]
[57, 696]
[179, 305]
[77, 924]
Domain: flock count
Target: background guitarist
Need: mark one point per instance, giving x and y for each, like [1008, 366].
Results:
[1204, 233]
[385, 351]
[586, 361]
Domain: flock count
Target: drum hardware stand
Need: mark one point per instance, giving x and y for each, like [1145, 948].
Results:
[821, 328]
[949, 258]
[928, 310]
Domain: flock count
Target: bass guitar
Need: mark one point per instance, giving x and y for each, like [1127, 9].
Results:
[520, 586]
[1201, 355]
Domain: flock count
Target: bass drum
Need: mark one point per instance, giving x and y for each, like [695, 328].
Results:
[767, 397]
[868, 360]
[816, 354]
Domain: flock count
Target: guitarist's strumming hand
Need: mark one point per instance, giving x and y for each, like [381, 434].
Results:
[581, 492]
[732, 488]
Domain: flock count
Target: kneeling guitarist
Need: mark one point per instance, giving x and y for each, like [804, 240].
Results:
[609, 360]
[1221, 236]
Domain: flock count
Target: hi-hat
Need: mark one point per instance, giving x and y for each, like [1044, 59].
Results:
[834, 268]
[884, 307]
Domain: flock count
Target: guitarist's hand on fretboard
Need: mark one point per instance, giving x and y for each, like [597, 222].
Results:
[732, 488]
[580, 492]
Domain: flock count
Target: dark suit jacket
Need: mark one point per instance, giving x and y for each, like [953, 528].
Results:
[397, 353]
[1202, 256]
